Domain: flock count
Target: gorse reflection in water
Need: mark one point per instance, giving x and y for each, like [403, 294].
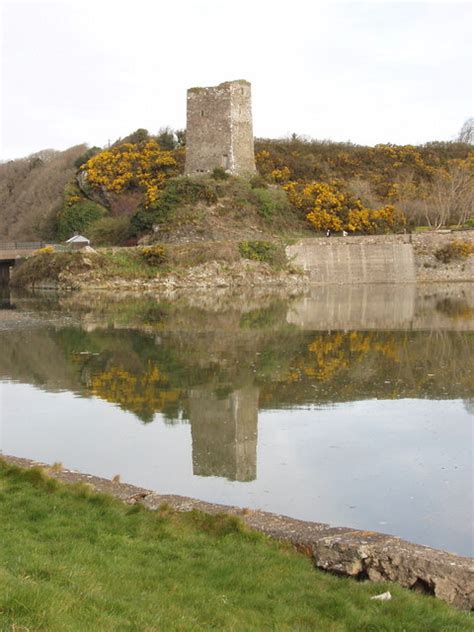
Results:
[268, 399]
[147, 373]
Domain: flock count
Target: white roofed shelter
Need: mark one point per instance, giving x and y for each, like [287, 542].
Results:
[78, 241]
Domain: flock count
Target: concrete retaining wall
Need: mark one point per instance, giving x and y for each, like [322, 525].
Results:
[380, 258]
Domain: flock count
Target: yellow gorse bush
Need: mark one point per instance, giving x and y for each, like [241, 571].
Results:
[281, 175]
[429, 184]
[46, 250]
[126, 166]
[331, 354]
[327, 206]
[455, 250]
[147, 392]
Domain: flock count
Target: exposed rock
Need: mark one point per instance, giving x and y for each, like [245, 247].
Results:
[381, 557]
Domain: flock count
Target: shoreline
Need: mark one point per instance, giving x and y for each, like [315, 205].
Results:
[296, 267]
[367, 555]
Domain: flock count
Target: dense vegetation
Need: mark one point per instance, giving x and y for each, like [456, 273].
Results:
[135, 188]
[75, 560]
[430, 185]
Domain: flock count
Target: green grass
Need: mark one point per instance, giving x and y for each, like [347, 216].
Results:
[126, 263]
[73, 560]
[264, 252]
[134, 263]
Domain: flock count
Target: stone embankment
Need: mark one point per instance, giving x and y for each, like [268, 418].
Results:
[368, 259]
[206, 276]
[381, 258]
[429, 269]
[359, 554]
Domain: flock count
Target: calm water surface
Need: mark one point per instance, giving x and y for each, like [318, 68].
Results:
[352, 406]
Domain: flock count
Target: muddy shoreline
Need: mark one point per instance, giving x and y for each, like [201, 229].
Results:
[313, 261]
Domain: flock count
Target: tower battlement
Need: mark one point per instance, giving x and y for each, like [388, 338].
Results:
[219, 129]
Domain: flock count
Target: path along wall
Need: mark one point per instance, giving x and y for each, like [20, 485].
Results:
[380, 258]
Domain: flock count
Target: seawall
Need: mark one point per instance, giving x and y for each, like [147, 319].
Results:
[381, 258]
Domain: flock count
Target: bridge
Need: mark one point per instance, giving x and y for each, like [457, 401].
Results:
[12, 251]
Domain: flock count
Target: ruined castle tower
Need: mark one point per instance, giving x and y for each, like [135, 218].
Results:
[219, 129]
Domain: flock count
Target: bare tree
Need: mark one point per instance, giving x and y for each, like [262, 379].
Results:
[31, 189]
[451, 197]
[466, 133]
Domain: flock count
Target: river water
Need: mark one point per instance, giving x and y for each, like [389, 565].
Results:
[352, 405]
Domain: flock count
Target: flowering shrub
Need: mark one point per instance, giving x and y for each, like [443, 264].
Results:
[455, 250]
[281, 175]
[131, 165]
[327, 206]
[176, 193]
[430, 184]
[153, 255]
[47, 250]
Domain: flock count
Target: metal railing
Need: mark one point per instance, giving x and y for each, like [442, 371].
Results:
[21, 245]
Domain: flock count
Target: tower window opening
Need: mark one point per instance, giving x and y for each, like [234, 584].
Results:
[202, 112]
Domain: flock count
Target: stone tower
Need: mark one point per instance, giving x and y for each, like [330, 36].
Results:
[219, 129]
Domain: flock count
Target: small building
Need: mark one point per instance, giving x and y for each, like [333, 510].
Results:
[76, 242]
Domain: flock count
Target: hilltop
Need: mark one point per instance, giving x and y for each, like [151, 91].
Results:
[134, 191]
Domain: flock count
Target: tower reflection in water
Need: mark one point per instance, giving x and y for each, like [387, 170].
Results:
[224, 433]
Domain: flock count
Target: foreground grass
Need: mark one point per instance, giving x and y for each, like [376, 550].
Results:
[72, 560]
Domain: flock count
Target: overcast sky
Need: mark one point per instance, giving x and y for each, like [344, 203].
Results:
[370, 72]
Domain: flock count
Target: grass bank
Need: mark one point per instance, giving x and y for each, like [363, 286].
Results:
[152, 264]
[73, 560]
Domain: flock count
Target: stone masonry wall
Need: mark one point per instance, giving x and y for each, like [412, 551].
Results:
[219, 129]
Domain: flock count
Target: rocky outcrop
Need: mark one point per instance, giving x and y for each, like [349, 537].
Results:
[359, 554]
[380, 557]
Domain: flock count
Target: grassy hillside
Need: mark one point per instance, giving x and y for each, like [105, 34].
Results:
[135, 191]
